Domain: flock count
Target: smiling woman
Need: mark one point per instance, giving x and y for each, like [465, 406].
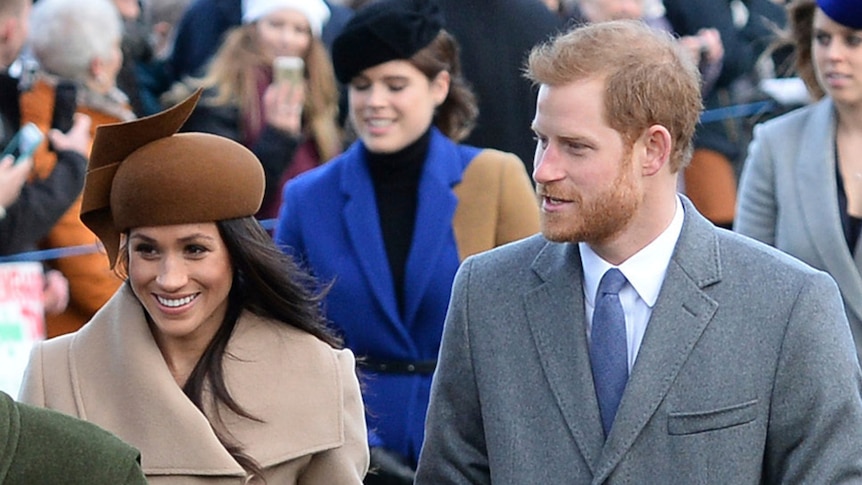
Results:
[290, 126]
[221, 367]
[401, 208]
[182, 275]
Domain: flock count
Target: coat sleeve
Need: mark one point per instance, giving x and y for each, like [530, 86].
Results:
[42, 203]
[136, 475]
[816, 417]
[757, 208]
[56, 448]
[454, 450]
[347, 463]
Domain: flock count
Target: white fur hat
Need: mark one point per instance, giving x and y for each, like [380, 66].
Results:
[315, 11]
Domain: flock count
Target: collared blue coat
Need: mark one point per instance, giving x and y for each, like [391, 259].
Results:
[329, 222]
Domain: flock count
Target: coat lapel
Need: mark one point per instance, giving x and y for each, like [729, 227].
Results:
[678, 320]
[816, 174]
[157, 403]
[366, 238]
[130, 392]
[560, 337]
[433, 233]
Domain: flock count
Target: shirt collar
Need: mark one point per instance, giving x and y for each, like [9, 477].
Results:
[645, 270]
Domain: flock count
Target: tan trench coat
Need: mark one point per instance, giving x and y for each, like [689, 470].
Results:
[307, 395]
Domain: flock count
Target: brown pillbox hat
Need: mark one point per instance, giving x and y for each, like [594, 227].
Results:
[142, 173]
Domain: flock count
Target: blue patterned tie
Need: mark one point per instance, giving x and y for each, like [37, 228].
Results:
[608, 349]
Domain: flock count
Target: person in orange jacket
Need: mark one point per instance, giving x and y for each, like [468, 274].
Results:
[78, 42]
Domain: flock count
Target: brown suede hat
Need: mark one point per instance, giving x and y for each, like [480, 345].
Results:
[143, 173]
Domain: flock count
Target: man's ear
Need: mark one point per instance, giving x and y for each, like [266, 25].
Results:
[657, 144]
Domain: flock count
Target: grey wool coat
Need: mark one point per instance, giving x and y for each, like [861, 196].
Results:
[788, 198]
[746, 374]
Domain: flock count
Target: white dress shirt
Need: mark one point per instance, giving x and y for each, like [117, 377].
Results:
[645, 272]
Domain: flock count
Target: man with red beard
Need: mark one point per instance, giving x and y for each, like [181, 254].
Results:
[711, 359]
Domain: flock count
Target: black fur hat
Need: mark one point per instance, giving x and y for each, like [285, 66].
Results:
[383, 31]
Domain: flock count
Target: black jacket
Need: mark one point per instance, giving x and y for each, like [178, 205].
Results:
[41, 202]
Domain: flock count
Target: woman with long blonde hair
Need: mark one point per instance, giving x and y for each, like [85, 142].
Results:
[291, 126]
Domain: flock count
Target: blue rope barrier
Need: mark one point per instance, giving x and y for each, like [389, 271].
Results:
[69, 251]
[737, 111]
[47, 254]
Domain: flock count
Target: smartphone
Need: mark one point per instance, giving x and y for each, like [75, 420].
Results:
[24, 143]
[65, 104]
[288, 69]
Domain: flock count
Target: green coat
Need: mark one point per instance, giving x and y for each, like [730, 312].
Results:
[39, 446]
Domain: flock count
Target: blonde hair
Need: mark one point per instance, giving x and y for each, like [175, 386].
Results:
[233, 73]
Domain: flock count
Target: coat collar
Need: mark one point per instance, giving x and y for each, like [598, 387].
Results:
[442, 171]
[675, 326]
[129, 391]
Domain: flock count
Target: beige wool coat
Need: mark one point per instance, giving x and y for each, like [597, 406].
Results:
[306, 394]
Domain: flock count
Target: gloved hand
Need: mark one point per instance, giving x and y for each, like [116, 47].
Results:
[388, 468]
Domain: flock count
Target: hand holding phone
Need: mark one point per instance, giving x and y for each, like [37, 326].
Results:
[24, 143]
[65, 105]
[77, 139]
[12, 179]
[288, 69]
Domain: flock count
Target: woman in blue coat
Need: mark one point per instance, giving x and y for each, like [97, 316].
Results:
[389, 221]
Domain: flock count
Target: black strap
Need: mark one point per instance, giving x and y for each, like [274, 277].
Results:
[398, 367]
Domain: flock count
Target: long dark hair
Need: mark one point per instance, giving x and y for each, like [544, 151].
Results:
[268, 283]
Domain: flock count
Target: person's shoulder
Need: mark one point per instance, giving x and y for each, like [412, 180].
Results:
[794, 120]
[516, 255]
[52, 426]
[498, 158]
[486, 164]
[276, 338]
[73, 450]
[57, 345]
[742, 252]
[325, 176]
